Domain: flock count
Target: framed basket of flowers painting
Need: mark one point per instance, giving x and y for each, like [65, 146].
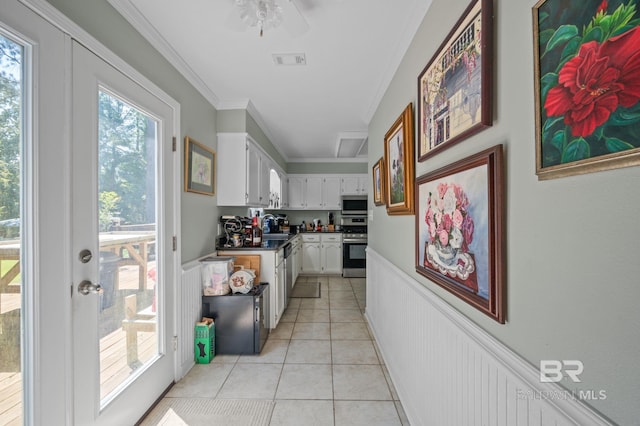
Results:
[199, 167]
[399, 165]
[587, 85]
[460, 230]
[455, 88]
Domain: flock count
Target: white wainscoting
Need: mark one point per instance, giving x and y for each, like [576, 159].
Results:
[189, 312]
[447, 370]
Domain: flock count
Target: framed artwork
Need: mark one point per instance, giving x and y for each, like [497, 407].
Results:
[399, 165]
[587, 86]
[455, 88]
[460, 230]
[199, 167]
[378, 183]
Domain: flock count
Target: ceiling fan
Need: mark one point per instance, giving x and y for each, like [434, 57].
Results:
[267, 14]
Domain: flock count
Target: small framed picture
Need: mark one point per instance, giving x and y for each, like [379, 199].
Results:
[378, 183]
[460, 230]
[399, 165]
[199, 167]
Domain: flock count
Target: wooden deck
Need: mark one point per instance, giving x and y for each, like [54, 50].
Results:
[113, 354]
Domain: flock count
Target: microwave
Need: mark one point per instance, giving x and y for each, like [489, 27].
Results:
[354, 205]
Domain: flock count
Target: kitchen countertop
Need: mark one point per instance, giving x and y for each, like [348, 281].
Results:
[272, 243]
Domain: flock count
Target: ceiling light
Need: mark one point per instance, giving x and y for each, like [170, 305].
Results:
[264, 14]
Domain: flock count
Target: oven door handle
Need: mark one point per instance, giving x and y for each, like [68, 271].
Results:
[354, 240]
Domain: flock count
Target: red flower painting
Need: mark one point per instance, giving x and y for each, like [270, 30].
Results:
[588, 85]
[596, 82]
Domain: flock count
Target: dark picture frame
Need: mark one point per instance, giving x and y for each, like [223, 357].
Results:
[455, 89]
[378, 182]
[399, 164]
[199, 167]
[586, 97]
[460, 235]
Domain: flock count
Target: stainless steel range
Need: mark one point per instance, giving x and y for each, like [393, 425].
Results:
[354, 243]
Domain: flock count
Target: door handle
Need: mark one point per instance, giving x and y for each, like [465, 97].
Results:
[87, 287]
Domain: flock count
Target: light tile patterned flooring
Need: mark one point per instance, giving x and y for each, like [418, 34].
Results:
[320, 366]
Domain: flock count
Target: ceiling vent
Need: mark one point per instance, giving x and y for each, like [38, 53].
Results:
[289, 59]
[352, 145]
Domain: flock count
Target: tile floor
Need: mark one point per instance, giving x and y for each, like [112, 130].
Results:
[320, 366]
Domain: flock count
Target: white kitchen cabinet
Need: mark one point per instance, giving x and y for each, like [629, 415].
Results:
[331, 253]
[354, 184]
[284, 190]
[254, 176]
[295, 258]
[311, 254]
[280, 283]
[331, 194]
[296, 187]
[298, 269]
[242, 178]
[315, 192]
[322, 253]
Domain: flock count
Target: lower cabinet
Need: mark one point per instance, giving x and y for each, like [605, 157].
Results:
[322, 253]
[311, 254]
[295, 258]
[331, 253]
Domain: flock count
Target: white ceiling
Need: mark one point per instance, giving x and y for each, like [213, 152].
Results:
[352, 49]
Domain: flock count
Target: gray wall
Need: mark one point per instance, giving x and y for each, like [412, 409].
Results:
[198, 117]
[572, 262]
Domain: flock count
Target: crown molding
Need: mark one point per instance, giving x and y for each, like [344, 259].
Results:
[409, 31]
[148, 31]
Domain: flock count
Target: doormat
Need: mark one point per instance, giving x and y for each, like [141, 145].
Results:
[205, 411]
[306, 290]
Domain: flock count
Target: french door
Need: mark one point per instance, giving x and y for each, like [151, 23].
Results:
[122, 243]
[87, 260]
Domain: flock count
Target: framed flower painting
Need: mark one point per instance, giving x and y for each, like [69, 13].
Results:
[460, 230]
[587, 85]
[199, 163]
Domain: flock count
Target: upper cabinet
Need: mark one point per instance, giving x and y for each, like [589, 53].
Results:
[354, 185]
[247, 176]
[315, 192]
[331, 196]
[244, 172]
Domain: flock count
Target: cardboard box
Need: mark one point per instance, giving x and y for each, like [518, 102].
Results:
[204, 341]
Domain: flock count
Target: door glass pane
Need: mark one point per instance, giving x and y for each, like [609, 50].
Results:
[11, 134]
[127, 234]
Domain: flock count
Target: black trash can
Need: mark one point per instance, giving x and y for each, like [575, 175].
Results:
[108, 276]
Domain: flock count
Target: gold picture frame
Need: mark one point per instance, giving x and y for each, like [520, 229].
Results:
[199, 167]
[399, 165]
[378, 183]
